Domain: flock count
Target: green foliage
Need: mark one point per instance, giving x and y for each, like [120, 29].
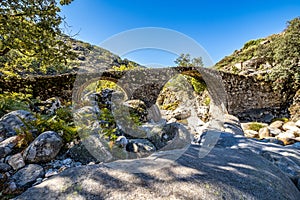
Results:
[206, 101]
[61, 122]
[198, 86]
[235, 70]
[179, 81]
[280, 51]
[255, 126]
[13, 101]
[184, 60]
[135, 118]
[283, 119]
[286, 74]
[102, 85]
[30, 35]
[171, 106]
[109, 127]
[24, 138]
[250, 50]
[124, 67]
[251, 43]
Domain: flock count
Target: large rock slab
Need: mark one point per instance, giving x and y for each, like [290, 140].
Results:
[229, 171]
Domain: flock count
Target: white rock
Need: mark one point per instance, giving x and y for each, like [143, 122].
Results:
[297, 123]
[276, 124]
[16, 161]
[7, 145]
[172, 120]
[292, 127]
[287, 134]
[26, 176]
[275, 131]
[181, 113]
[122, 141]
[251, 133]
[50, 173]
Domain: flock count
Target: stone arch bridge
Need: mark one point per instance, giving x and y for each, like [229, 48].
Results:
[238, 94]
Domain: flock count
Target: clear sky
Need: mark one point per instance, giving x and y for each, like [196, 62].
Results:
[220, 27]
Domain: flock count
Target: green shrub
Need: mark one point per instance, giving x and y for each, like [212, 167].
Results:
[206, 101]
[255, 126]
[102, 85]
[124, 67]
[198, 86]
[171, 106]
[61, 122]
[13, 101]
[283, 119]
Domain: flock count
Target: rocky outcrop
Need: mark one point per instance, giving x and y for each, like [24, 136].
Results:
[235, 167]
[294, 108]
[229, 171]
[137, 108]
[47, 107]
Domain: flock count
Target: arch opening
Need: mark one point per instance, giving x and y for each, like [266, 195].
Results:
[185, 99]
[131, 128]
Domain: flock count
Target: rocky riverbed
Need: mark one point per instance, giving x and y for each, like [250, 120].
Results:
[249, 160]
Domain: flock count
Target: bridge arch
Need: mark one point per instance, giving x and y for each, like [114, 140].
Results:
[146, 84]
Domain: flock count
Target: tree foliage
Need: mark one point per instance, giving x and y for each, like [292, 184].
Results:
[184, 60]
[286, 56]
[277, 58]
[30, 34]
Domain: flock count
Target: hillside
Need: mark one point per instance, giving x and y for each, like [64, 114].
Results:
[88, 57]
[250, 59]
[92, 57]
[275, 58]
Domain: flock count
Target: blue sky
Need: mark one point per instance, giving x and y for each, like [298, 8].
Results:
[220, 27]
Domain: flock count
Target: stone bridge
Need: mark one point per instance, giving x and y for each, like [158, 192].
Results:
[237, 94]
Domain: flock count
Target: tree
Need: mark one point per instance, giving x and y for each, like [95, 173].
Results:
[197, 62]
[30, 31]
[184, 60]
[287, 57]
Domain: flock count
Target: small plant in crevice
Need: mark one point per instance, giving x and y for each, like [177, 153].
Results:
[170, 106]
[107, 124]
[255, 126]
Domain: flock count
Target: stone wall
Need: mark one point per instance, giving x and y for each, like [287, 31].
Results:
[247, 96]
[40, 86]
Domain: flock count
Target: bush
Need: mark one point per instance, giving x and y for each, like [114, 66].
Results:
[61, 122]
[255, 126]
[171, 106]
[13, 101]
